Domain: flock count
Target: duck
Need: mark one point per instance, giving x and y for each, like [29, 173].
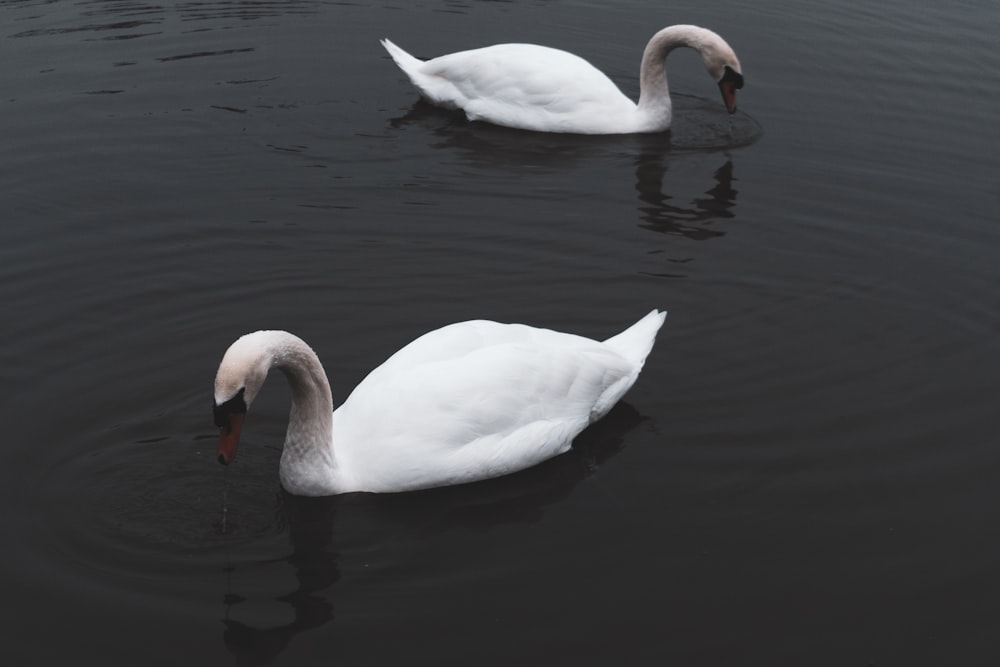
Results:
[466, 402]
[539, 88]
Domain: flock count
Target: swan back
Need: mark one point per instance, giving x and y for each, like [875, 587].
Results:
[524, 86]
[480, 399]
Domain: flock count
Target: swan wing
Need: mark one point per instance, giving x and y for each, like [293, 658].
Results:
[472, 401]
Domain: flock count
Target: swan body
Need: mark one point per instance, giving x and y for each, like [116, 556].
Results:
[469, 401]
[533, 87]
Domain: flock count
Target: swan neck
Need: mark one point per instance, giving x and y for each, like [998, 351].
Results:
[308, 453]
[653, 70]
[654, 91]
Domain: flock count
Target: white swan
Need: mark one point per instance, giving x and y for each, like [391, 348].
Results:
[532, 87]
[466, 402]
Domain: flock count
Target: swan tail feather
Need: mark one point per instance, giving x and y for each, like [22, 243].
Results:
[636, 342]
[406, 62]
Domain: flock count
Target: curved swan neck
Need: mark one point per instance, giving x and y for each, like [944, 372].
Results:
[312, 398]
[307, 456]
[654, 92]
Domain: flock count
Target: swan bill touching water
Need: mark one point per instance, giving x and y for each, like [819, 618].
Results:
[532, 87]
[466, 402]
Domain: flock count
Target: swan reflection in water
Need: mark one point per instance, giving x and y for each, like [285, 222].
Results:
[660, 214]
[696, 130]
[700, 128]
[314, 533]
[309, 522]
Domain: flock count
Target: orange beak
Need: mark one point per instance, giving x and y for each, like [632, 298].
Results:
[728, 88]
[229, 437]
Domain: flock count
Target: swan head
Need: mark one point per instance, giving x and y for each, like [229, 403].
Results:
[722, 64]
[239, 379]
[719, 58]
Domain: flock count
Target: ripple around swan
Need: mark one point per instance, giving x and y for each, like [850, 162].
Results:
[137, 502]
[124, 507]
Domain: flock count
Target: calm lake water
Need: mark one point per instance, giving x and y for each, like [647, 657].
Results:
[805, 473]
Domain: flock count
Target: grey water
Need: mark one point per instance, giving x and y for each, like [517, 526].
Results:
[805, 473]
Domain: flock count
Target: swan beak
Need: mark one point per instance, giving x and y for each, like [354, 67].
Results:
[229, 437]
[728, 89]
[730, 82]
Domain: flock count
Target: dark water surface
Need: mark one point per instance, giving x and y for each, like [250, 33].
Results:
[805, 474]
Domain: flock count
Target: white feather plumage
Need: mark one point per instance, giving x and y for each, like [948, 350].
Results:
[532, 87]
[466, 402]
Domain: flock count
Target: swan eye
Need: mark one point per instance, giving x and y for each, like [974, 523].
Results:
[236, 405]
